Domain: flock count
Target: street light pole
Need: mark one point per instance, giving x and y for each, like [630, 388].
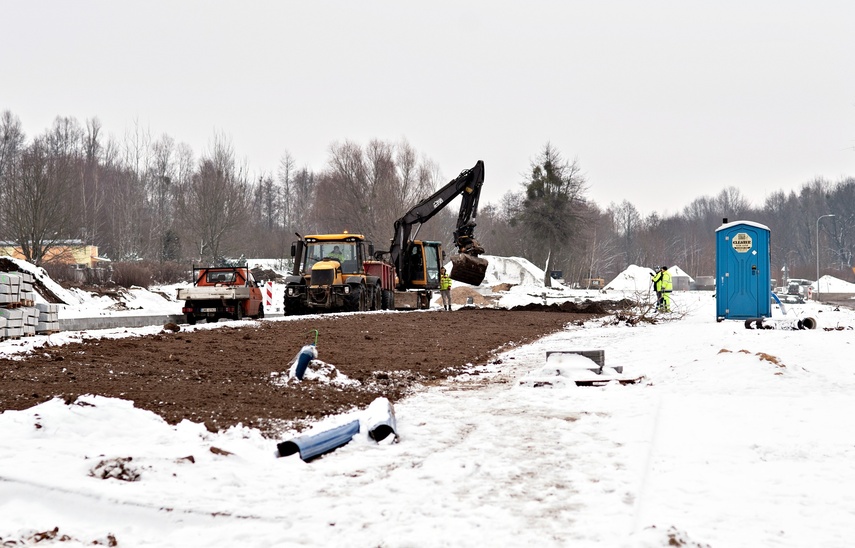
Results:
[817, 250]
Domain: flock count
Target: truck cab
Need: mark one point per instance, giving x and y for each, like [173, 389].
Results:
[221, 292]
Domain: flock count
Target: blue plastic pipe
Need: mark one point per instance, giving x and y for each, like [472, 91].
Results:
[777, 300]
[312, 446]
[304, 357]
[380, 420]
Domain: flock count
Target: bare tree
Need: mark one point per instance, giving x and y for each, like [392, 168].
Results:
[38, 192]
[11, 141]
[11, 145]
[185, 164]
[731, 203]
[267, 200]
[91, 194]
[285, 177]
[216, 200]
[127, 204]
[180, 242]
[368, 189]
[386, 187]
[160, 183]
[627, 225]
[345, 196]
[842, 205]
[499, 230]
[600, 249]
[303, 192]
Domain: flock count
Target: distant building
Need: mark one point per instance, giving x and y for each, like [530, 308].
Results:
[70, 252]
[592, 283]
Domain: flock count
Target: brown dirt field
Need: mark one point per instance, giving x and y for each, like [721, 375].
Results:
[223, 376]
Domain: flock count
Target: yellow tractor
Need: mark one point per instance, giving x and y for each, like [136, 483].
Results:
[337, 272]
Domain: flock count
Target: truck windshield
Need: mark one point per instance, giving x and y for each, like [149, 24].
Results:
[220, 277]
[343, 252]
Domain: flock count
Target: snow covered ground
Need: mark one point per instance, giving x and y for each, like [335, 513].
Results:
[735, 438]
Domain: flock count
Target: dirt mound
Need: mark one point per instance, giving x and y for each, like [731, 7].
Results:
[461, 295]
[586, 307]
[265, 274]
[502, 287]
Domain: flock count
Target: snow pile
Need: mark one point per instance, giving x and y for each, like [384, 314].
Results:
[637, 278]
[42, 277]
[830, 284]
[634, 278]
[136, 301]
[317, 371]
[510, 270]
[521, 281]
[279, 266]
[677, 271]
[77, 303]
[558, 372]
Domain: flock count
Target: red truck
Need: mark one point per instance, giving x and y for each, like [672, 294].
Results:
[221, 292]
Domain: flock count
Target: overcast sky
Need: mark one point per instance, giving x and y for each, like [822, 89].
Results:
[660, 102]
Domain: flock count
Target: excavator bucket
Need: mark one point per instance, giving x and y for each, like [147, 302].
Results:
[468, 269]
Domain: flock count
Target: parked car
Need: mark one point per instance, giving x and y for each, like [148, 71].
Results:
[798, 286]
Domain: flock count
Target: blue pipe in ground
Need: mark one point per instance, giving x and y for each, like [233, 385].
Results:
[302, 360]
[314, 445]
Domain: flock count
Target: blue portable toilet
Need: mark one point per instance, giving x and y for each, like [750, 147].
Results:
[743, 271]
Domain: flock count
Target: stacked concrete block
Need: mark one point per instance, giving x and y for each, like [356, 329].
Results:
[48, 319]
[19, 314]
[14, 322]
[31, 317]
[5, 289]
[28, 294]
[10, 289]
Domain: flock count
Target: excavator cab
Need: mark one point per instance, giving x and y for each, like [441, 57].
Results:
[423, 264]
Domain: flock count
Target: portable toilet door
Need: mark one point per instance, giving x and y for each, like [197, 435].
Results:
[743, 270]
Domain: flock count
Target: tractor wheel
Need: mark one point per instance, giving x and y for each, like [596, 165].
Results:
[260, 314]
[388, 299]
[354, 301]
[377, 298]
[359, 299]
[293, 307]
[363, 298]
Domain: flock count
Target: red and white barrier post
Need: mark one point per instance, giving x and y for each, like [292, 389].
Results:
[268, 296]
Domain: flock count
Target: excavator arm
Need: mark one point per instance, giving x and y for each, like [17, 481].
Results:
[467, 267]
